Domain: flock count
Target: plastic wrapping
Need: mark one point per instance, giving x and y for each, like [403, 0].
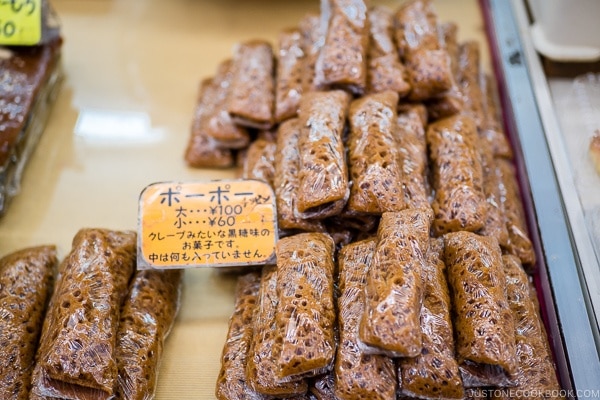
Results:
[76, 356]
[385, 70]
[305, 310]
[434, 373]
[259, 161]
[147, 316]
[322, 387]
[357, 375]
[313, 38]
[493, 130]
[288, 83]
[261, 367]
[519, 242]
[286, 180]
[427, 62]
[323, 174]
[251, 98]
[483, 322]
[390, 323]
[374, 158]
[415, 164]
[342, 61]
[26, 278]
[231, 382]
[459, 202]
[536, 370]
[469, 66]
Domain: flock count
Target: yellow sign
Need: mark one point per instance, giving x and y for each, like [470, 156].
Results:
[20, 22]
[206, 224]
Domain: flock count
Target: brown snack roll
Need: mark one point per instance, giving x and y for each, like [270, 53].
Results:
[147, 316]
[251, 98]
[261, 366]
[374, 159]
[313, 38]
[358, 375]
[469, 66]
[286, 179]
[76, 359]
[231, 382]
[459, 202]
[519, 242]
[26, 278]
[434, 373]
[412, 144]
[483, 322]
[418, 40]
[385, 70]
[493, 129]
[323, 175]
[536, 371]
[259, 161]
[202, 150]
[305, 310]
[288, 77]
[342, 61]
[390, 324]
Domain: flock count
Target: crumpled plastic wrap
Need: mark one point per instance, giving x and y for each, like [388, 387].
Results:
[26, 278]
[374, 158]
[323, 174]
[76, 356]
[459, 202]
[493, 130]
[342, 62]
[434, 373]
[231, 382]
[261, 367]
[147, 316]
[483, 322]
[358, 375]
[390, 324]
[288, 80]
[313, 39]
[305, 310]
[322, 387]
[469, 67]
[259, 161]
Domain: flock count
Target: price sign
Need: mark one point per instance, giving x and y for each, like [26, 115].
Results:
[206, 224]
[20, 22]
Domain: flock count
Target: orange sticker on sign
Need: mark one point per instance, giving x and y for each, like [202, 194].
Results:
[206, 224]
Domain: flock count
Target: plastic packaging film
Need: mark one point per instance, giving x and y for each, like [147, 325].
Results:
[390, 323]
[259, 163]
[373, 154]
[323, 173]
[305, 310]
[358, 375]
[483, 322]
[25, 284]
[469, 66]
[313, 38]
[288, 83]
[75, 358]
[147, 316]
[493, 130]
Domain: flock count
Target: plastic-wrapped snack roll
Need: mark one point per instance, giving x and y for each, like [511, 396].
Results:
[493, 130]
[434, 373]
[418, 40]
[202, 150]
[375, 163]
[147, 316]
[412, 144]
[519, 242]
[259, 161]
[342, 61]
[305, 310]
[459, 202]
[76, 359]
[358, 375]
[313, 38]
[469, 66]
[390, 323]
[251, 98]
[261, 366]
[25, 285]
[483, 322]
[286, 179]
[288, 80]
[231, 382]
[385, 70]
[536, 371]
[323, 173]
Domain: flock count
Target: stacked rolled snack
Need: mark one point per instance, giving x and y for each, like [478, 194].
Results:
[394, 151]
